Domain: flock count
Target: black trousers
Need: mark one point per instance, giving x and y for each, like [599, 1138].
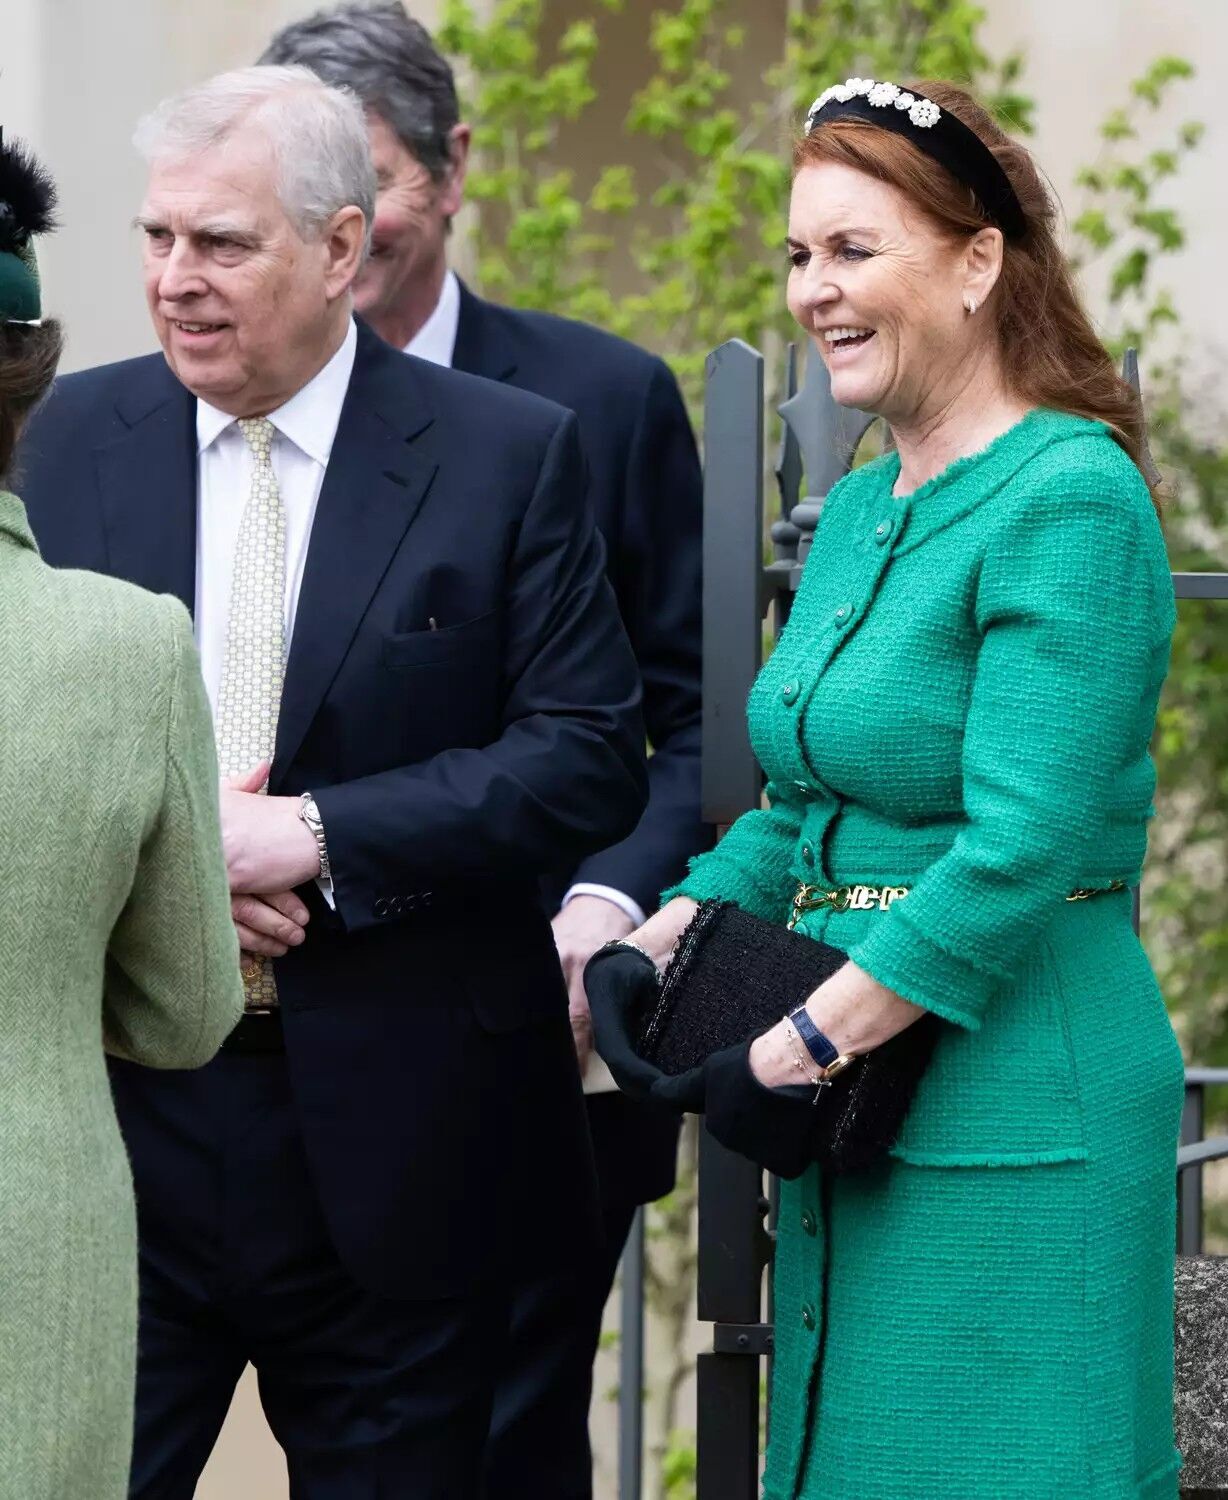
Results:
[371, 1399]
[539, 1443]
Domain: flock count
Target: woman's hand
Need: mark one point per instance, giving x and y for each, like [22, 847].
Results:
[853, 1011]
[662, 930]
[773, 1061]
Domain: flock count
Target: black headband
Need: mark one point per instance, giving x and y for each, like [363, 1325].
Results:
[937, 132]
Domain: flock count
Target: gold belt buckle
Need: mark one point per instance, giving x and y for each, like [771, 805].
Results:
[844, 898]
[808, 898]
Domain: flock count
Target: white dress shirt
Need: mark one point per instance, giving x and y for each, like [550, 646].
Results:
[305, 429]
[436, 339]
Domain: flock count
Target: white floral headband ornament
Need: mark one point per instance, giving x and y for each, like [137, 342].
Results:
[935, 131]
[923, 113]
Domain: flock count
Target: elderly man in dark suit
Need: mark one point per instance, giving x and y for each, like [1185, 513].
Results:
[645, 489]
[424, 701]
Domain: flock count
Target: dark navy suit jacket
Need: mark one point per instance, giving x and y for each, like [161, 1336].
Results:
[646, 491]
[425, 1022]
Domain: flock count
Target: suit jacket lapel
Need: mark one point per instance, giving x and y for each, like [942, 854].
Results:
[482, 345]
[147, 488]
[374, 487]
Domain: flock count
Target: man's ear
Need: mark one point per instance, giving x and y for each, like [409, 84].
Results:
[344, 238]
[452, 188]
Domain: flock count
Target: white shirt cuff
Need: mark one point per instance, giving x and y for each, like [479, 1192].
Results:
[608, 893]
[326, 890]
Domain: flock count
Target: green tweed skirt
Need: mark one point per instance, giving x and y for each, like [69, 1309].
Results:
[998, 1332]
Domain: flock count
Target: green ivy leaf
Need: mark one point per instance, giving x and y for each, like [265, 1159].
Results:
[1129, 274]
[1162, 224]
[1117, 126]
[1094, 227]
[614, 191]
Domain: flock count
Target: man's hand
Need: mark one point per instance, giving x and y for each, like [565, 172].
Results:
[268, 847]
[269, 925]
[585, 924]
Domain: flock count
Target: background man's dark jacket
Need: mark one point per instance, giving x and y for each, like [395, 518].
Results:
[646, 489]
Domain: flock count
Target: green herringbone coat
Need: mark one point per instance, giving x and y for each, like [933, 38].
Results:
[116, 928]
[962, 704]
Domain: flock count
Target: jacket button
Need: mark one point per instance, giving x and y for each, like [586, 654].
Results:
[809, 1223]
[790, 691]
[843, 615]
[808, 1316]
[380, 908]
[807, 854]
[882, 532]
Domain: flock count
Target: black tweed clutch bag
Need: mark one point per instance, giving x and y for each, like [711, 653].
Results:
[733, 976]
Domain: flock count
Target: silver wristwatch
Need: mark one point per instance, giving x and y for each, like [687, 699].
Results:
[310, 814]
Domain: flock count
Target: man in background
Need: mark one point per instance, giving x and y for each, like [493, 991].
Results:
[645, 490]
[424, 699]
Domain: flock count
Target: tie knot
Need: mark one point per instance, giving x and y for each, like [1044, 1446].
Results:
[258, 431]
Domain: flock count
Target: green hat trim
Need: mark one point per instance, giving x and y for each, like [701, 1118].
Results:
[20, 299]
[27, 209]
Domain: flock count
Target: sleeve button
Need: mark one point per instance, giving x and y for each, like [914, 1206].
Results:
[790, 692]
[808, 1316]
[380, 908]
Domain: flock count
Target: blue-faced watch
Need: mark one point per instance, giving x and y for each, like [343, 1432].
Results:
[824, 1052]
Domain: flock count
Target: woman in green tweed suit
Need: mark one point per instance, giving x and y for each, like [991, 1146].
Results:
[116, 934]
[961, 706]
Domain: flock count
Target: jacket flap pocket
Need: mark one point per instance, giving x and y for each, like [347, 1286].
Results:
[1006, 1095]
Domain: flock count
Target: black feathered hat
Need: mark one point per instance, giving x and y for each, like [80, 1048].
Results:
[27, 208]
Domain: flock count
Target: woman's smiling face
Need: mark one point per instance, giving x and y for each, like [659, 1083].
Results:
[880, 290]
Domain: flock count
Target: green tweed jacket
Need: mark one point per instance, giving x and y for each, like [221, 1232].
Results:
[116, 935]
[962, 704]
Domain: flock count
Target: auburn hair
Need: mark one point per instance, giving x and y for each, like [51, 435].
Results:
[1051, 356]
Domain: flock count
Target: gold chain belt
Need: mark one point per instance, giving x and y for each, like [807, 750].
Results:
[879, 897]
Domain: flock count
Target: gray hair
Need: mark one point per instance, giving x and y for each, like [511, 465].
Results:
[318, 135]
[388, 60]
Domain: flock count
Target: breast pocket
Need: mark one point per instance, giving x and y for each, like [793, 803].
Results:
[473, 640]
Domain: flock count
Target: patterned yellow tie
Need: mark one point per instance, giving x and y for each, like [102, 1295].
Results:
[254, 662]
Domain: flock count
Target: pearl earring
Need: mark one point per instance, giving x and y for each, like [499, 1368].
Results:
[971, 304]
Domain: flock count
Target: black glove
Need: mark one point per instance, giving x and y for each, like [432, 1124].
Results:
[622, 985]
[772, 1126]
